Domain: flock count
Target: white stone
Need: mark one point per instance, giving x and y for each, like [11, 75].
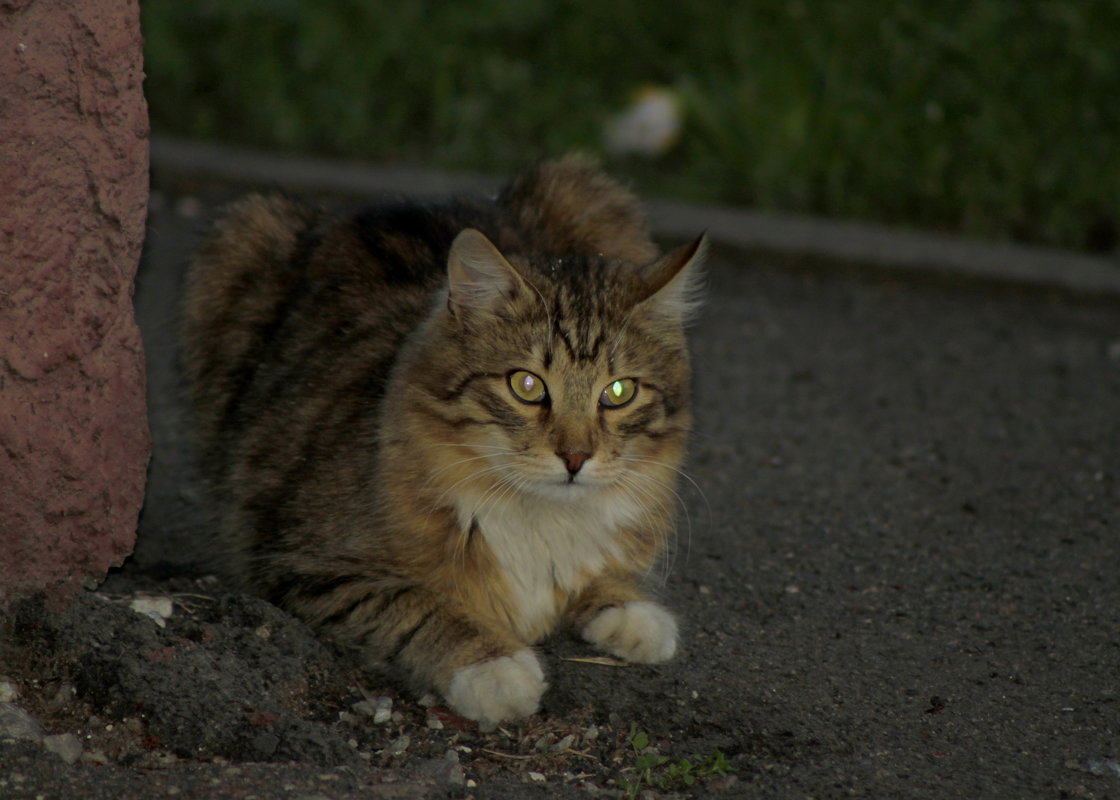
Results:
[15, 723]
[66, 746]
[382, 710]
[158, 609]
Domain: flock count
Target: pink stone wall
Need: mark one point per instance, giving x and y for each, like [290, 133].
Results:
[73, 192]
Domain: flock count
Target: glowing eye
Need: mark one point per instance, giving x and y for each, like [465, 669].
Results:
[618, 393]
[527, 387]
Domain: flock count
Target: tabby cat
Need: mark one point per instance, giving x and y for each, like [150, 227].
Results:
[437, 432]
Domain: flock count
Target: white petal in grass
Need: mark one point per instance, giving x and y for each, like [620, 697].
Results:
[649, 126]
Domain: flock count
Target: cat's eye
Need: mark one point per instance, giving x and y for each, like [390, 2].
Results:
[618, 393]
[527, 387]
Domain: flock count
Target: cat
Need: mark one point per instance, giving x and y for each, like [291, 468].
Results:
[437, 432]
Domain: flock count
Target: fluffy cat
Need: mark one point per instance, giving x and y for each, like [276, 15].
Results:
[437, 432]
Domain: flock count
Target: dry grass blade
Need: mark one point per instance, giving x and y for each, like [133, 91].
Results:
[602, 661]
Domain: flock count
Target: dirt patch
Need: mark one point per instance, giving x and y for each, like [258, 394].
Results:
[181, 674]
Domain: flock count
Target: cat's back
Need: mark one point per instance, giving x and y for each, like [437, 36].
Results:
[286, 303]
[237, 285]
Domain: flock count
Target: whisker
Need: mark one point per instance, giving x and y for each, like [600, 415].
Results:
[452, 465]
[452, 487]
[660, 522]
[547, 316]
[629, 481]
[680, 500]
[497, 493]
[679, 471]
[621, 333]
[474, 445]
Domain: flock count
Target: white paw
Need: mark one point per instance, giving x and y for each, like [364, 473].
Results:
[499, 689]
[638, 631]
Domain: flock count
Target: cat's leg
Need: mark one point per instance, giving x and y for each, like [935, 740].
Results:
[617, 617]
[484, 673]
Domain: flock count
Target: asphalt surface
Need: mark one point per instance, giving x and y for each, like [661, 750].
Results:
[898, 564]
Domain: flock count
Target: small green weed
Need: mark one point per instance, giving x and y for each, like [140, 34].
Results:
[657, 771]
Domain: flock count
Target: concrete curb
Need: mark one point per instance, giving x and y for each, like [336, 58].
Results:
[884, 247]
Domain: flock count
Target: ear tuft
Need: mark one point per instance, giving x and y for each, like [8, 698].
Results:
[478, 275]
[675, 281]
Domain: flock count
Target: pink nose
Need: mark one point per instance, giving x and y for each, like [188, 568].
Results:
[574, 460]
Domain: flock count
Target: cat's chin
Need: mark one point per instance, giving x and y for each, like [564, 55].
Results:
[567, 490]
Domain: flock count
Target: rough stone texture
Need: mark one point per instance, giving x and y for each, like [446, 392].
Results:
[74, 440]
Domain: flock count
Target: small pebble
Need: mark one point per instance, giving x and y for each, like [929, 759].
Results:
[536, 776]
[564, 743]
[363, 707]
[398, 746]
[9, 691]
[383, 710]
[443, 771]
[1106, 766]
[63, 697]
[542, 744]
[434, 722]
[66, 746]
[15, 723]
[95, 757]
[158, 609]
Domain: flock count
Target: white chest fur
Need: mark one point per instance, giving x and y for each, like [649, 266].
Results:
[544, 543]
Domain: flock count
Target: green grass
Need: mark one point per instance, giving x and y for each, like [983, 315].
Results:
[651, 769]
[993, 117]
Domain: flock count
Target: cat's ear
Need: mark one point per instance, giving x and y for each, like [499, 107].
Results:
[478, 275]
[675, 281]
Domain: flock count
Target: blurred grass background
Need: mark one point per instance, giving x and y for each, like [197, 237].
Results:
[994, 118]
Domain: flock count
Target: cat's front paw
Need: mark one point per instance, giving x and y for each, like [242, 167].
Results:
[499, 689]
[638, 631]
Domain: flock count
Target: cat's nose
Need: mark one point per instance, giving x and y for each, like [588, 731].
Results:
[573, 460]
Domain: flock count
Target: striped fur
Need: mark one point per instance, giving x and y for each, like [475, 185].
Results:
[373, 469]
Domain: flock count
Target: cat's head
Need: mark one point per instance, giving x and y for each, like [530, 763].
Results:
[561, 377]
